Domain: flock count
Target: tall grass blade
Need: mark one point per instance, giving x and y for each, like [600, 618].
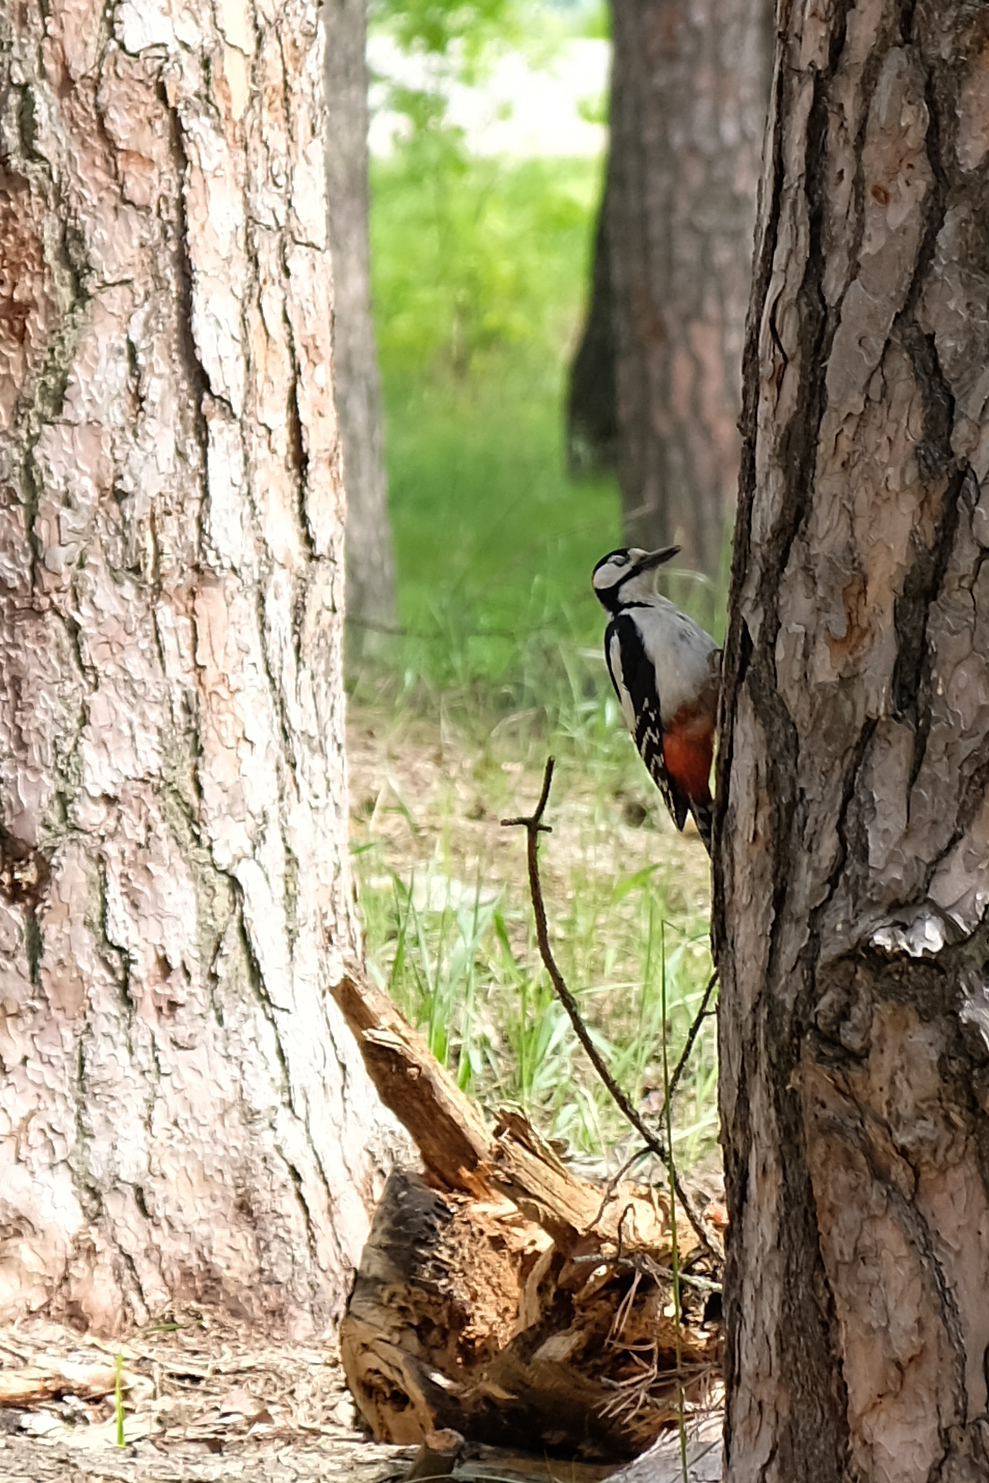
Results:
[118, 1399]
[675, 1253]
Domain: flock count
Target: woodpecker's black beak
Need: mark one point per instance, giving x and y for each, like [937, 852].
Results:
[658, 558]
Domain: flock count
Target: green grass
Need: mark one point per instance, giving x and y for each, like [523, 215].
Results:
[487, 526]
[479, 279]
[118, 1400]
[461, 961]
[479, 274]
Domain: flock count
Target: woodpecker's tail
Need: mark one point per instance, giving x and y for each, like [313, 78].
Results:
[703, 813]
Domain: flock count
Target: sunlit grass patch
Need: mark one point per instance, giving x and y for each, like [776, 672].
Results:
[449, 932]
[480, 270]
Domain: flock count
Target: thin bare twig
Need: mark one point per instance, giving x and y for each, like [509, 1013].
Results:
[534, 826]
[616, 1179]
[641, 1153]
[641, 1262]
[692, 1034]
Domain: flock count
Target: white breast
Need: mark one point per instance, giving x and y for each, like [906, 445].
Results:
[680, 650]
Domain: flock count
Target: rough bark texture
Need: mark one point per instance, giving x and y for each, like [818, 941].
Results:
[182, 1114]
[852, 876]
[370, 560]
[688, 109]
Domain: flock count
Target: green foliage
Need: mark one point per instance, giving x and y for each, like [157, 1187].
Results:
[595, 20]
[456, 41]
[441, 27]
[480, 268]
[462, 964]
[479, 265]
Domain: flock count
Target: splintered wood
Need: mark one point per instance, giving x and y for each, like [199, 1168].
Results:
[503, 1298]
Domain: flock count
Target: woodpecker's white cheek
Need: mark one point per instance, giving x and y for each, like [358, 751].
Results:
[608, 575]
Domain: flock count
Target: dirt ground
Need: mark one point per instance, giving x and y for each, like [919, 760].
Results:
[204, 1401]
[207, 1403]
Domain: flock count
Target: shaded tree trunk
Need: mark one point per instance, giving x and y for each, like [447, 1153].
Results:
[183, 1115]
[370, 560]
[592, 399]
[852, 876]
[688, 107]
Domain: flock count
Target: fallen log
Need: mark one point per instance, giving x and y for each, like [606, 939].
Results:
[504, 1298]
[461, 1153]
[446, 1127]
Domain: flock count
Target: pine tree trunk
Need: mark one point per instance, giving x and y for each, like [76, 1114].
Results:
[370, 558]
[183, 1116]
[592, 399]
[853, 872]
[688, 111]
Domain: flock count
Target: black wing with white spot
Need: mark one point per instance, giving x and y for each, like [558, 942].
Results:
[634, 678]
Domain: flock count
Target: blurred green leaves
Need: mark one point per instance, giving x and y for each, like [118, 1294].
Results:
[474, 256]
[479, 279]
[460, 31]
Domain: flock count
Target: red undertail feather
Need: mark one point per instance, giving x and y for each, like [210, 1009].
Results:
[688, 751]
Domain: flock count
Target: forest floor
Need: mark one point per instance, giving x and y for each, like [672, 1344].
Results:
[449, 933]
[207, 1401]
[415, 787]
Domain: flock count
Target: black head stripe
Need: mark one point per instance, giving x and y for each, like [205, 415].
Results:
[618, 551]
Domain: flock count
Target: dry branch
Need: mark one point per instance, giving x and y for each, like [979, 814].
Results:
[534, 826]
[447, 1128]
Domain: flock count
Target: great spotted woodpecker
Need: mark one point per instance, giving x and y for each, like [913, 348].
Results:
[666, 672]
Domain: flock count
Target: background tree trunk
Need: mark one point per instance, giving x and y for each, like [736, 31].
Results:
[852, 874]
[182, 1114]
[370, 560]
[688, 110]
[592, 398]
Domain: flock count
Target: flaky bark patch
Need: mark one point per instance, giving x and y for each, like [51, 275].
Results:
[853, 875]
[182, 1115]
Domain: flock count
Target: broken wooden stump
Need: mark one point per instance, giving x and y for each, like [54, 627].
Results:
[437, 1457]
[468, 1316]
[504, 1298]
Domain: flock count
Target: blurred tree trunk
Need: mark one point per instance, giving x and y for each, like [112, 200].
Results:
[370, 561]
[182, 1114]
[592, 404]
[688, 109]
[852, 877]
